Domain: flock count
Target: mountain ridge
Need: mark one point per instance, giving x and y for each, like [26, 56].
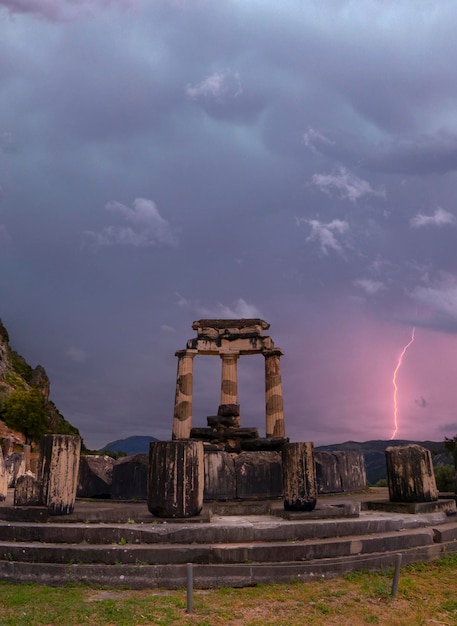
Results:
[373, 451]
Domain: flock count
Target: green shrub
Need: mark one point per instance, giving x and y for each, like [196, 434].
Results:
[25, 411]
[444, 476]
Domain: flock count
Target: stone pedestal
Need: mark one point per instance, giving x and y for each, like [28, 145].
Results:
[176, 478]
[58, 472]
[410, 474]
[274, 409]
[182, 416]
[299, 476]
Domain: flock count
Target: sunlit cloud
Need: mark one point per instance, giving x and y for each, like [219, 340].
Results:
[345, 184]
[440, 217]
[314, 140]
[329, 236]
[218, 85]
[146, 227]
[62, 10]
[439, 298]
[240, 309]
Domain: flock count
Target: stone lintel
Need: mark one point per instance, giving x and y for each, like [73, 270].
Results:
[273, 351]
[188, 352]
[238, 324]
[243, 346]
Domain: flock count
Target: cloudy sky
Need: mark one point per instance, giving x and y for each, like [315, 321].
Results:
[162, 161]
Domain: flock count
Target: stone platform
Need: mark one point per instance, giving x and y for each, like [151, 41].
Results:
[122, 544]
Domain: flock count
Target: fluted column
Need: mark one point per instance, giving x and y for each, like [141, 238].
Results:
[182, 416]
[229, 381]
[274, 408]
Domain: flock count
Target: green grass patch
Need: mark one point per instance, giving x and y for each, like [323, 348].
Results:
[425, 596]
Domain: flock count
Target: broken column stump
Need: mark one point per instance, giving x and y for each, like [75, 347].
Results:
[58, 472]
[410, 474]
[299, 476]
[176, 478]
[27, 491]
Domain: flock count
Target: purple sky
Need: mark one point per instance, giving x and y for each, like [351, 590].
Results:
[165, 161]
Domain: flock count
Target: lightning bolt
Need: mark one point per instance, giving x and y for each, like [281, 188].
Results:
[394, 381]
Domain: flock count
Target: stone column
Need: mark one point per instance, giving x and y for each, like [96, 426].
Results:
[410, 474]
[176, 478]
[58, 472]
[26, 450]
[3, 478]
[273, 394]
[182, 416]
[299, 476]
[229, 380]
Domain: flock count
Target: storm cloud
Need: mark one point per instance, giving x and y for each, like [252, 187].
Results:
[172, 160]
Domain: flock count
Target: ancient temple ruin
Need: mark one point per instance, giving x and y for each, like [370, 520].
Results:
[229, 339]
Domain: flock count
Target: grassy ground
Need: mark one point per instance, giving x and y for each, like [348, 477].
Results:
[427, 594]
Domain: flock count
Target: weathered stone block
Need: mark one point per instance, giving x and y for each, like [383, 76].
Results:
[351, 466]
[95, 476]
[3, 479]
[258, 475]
[7, 447]
[410, 474]
[58, 472]
[176, 478]
[328, 476]
[130, 478]
[229, 410]
[264, 444]
[27, 491]
[299, 476]
[220, 478]
[220, 421]
[15, 467]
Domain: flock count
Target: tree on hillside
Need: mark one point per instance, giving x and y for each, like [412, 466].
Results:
[451, 446]
[25, 411]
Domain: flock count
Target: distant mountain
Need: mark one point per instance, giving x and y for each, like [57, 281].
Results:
[374, 454]
[373, 451]
[137, 444]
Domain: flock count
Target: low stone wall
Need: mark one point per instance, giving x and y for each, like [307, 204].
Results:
[228, 476]
[340, 471]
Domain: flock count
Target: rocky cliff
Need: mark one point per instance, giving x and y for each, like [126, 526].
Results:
[17, 375]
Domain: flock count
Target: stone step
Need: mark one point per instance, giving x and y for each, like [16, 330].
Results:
[229, 553]
[205, 576]
[221, 530]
